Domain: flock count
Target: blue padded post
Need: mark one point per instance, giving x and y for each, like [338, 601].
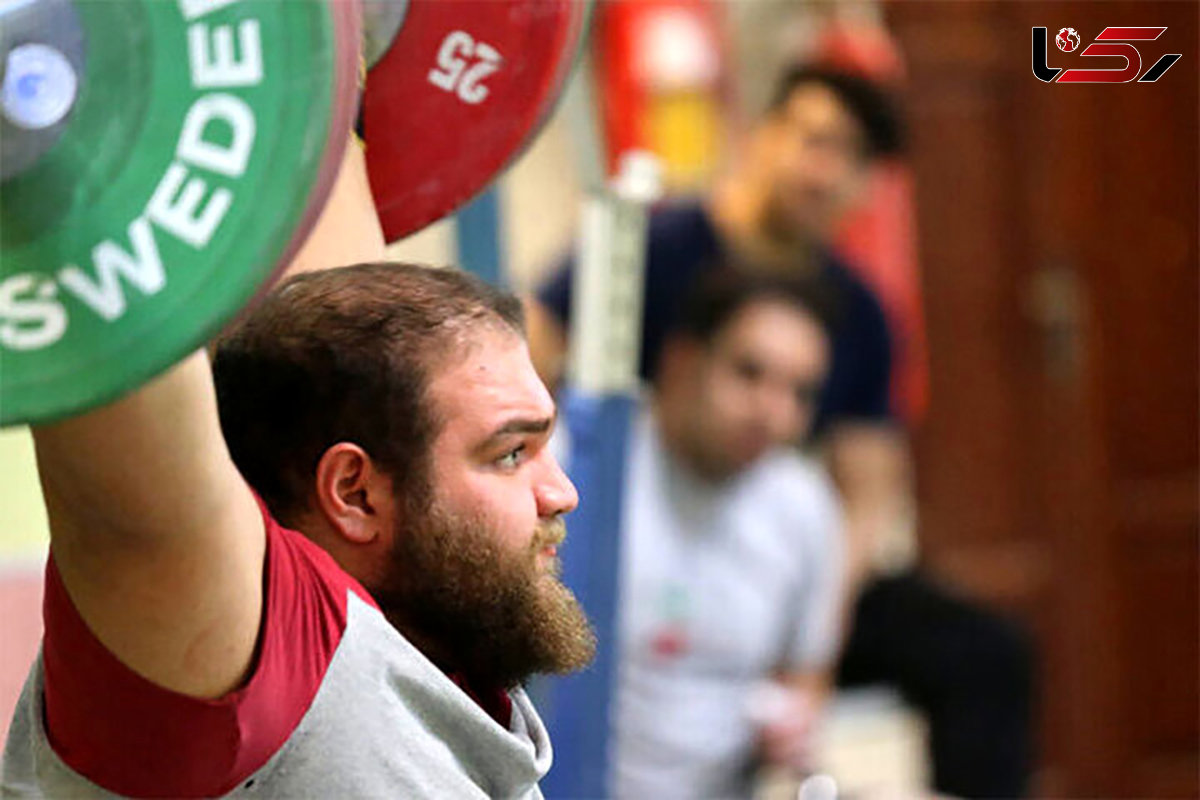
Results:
[577, 707]
[477, 232]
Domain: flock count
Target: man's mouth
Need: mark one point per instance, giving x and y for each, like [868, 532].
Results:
[548, 539]
[547, 554]
[547, 557]
[545, 544]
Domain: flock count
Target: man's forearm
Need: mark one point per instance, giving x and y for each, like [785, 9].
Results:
[547, 342]
[871, 466]
[348, 230]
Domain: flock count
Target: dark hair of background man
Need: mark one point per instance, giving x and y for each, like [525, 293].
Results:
[870, 104]
[721, 294]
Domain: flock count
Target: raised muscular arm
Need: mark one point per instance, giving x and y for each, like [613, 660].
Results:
[158, 540]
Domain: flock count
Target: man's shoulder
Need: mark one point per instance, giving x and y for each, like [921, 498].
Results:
[794, 485]
[786, 471]
[295, 560]
[680, 211]
[837, 271]
[132, 736]
[853, 291]
[684, 221]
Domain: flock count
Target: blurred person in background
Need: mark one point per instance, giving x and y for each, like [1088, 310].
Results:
[806, 164]
[731, 565]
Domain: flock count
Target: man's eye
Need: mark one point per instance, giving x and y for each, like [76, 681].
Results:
[512, 458]
[748, 370]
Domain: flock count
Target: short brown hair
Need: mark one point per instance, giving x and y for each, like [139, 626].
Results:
[721, 293]
[869, 102]
[346, 355]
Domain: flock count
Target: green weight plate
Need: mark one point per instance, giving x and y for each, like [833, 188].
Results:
[198, 147]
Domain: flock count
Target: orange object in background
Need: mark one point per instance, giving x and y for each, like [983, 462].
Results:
[879, 239]
[661, 76]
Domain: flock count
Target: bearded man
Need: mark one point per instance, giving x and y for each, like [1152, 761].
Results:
[352, 614]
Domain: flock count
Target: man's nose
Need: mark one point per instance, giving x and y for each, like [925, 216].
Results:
[555, 492]
[777, 407]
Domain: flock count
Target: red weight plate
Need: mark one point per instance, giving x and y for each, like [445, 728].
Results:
[464, 87]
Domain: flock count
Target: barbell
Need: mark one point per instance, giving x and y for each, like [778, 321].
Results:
[163, 161]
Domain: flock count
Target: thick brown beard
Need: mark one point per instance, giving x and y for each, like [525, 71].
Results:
[478, 608]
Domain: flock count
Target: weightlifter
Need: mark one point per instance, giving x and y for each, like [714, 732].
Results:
[343, 600]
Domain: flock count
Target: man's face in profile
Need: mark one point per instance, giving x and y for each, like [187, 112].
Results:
[476, 569]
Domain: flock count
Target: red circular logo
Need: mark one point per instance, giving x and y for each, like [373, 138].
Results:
[1067, 39]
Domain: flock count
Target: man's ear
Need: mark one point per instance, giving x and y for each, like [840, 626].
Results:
[353, 495]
